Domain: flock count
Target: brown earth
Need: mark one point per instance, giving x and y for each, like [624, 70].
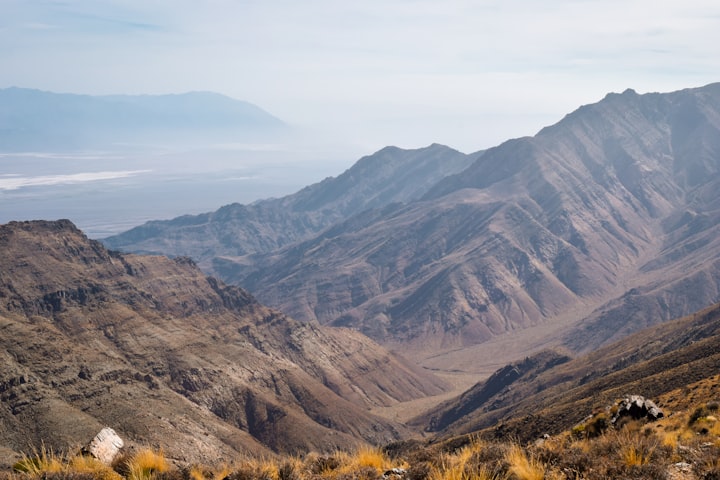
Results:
[171, 358]
[546, 393]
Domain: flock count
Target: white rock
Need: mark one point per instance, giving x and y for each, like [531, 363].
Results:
[105, 446]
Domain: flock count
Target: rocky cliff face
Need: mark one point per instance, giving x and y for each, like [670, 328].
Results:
[167, 356]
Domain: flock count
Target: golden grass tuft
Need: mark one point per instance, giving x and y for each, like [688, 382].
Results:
[523, 466]
[266, 469]
[463, 464]
[88, 465]
[40, 462]
[365, 462]
[453, 467]
[633, 457]
[371, 457]
[198, 472]
[146, 464]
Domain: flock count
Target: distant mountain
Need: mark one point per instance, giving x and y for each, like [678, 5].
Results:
[389, 176]
[601, 224]
[34, 120]
[169, 357]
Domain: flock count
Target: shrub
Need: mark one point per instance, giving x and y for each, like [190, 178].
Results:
[597, 425]
[578, 431]
[321, 465]
[698, 413]
[288, 470]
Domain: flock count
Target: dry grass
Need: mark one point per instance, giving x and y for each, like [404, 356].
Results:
[523, 466]
[87, 465]
[453, 466]
[690, 433]
[146, 464]
[477, 460]
[40, 462]
[44, 463]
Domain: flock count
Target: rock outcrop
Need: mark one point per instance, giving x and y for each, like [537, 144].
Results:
[636, 407]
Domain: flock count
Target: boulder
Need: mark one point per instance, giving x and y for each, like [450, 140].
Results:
[105, 446]
[637, 407]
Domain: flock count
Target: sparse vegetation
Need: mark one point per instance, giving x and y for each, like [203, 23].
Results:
[686, 441]
[146, 464]
[40, 462]
[44, 463]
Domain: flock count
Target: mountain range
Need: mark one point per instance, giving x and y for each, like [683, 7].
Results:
[34, 120]
[597, 226]
[179, 361]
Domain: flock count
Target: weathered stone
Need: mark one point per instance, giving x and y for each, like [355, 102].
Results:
[105, 446]
[653, 411]
[637, 407]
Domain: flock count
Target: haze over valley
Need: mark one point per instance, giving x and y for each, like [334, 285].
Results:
[110, 163]
[399, 240]
[432, 250]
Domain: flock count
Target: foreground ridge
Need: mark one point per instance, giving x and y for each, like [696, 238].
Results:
[166, 356]
[685, 444]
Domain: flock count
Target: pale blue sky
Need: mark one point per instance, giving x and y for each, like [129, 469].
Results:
[468, 74]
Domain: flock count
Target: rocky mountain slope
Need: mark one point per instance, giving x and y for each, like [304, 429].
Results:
[169, 357]
[549, 392]
[34, 120]
[610, 211]
[389, 176]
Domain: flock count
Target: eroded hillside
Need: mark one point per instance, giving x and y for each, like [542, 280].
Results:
[169, 357]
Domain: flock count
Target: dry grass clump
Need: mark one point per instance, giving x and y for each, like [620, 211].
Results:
[456, 466]
[83, 464]
[523, 465]
[46, 464]
[365, 463]
[40, 462]
[146, 464]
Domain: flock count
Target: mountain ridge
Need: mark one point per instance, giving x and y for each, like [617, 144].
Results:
[614, 200]
[572, 215]
[273, 223]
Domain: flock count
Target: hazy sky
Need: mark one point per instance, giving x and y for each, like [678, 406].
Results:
[468, 74]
